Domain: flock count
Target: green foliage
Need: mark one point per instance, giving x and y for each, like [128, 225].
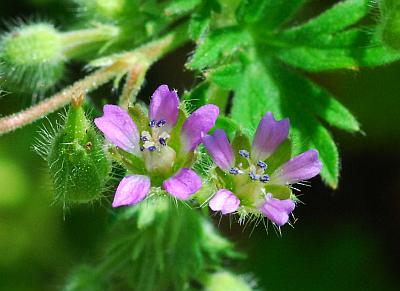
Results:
[390, 23]
[78, 165]
[251, 56]
[158, 245]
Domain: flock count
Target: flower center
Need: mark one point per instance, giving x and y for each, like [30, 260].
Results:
[256, 172]
[157, 138]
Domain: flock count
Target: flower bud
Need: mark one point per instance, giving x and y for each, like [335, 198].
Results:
[31, 57]
[77, 162]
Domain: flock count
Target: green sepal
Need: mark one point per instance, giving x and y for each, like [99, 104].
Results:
[279, 191]
[224, 180]
[139, 116]
[175, 140]
[77, 162]
[131, 162]
[281, 155]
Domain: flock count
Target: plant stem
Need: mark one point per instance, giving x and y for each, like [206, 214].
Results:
[75, 41]
[143, 56]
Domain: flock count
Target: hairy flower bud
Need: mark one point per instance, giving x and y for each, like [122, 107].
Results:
[77, 162]
[32, 58]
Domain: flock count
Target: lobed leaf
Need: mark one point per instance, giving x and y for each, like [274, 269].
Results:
[337, 18]
[220, 43]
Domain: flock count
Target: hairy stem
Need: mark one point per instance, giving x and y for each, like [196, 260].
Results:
[142, 57]
[74, 41]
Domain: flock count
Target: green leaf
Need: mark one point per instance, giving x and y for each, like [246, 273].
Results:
[200, 21]
[255, 96]
[318, 101]
[306, 131]
[316, 59]
[219, 43]
[227, 76]
[271, 13]
[178, 7]
[337, 18]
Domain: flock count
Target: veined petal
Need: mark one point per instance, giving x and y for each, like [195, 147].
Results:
[164, 106]
[220, 149]
[198, 124]
[269, 135]
[277, 210]
[183, 184]
[119, 128]
[224, 201]
[301, 167]
[131, 190]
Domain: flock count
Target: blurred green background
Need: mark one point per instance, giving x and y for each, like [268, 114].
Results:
[344, 239]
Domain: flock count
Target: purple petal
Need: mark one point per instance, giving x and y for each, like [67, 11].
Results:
[220, 149]
[198, 124]
[185, 183]
[301, 167]
[164, 106]
[119, 128]
[277, 210]
[269, 135]
[131, 190]
[224, 201]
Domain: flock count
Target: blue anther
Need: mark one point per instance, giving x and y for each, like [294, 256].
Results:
[152, 148]
[141, 148]
[161, 123]
[144, 138]
[262, 165]
[244, 153]
[264, 178]
[162, 141]
[252, 176]
[152, 123]
[234, 171]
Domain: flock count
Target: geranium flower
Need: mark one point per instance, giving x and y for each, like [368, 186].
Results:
[258, 178]
[161, 152]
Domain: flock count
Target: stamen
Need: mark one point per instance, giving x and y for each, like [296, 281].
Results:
[144, 138]
[161, 123]
[162, 141]
[234, 171]
[152, 148]
[244, 154]
[141, 148]
[152, 123]
[264, 178]
[252, 176]
[262, 165]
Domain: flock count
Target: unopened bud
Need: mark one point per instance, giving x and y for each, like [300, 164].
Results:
[32, 58]
[77, 162]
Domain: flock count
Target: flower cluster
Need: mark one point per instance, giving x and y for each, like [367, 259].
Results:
[258, 178]
[158, 150]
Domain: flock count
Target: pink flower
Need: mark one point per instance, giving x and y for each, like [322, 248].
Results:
[155, 148]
